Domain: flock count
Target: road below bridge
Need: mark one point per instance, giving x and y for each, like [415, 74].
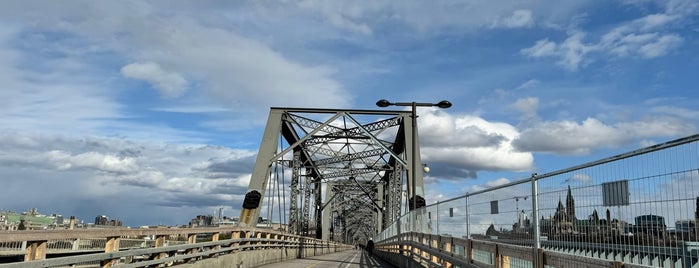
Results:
[344, 259]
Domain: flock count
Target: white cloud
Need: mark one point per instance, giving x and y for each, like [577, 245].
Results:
[464, 144]
[647, 37]
[208, 57]
[72, 171]
[655, 21]
[497, 182]
[519, 19]
[170, 84]
[527, 106]
[660, 46]
[677, 112]
[92, 160]
[344, 23]
[542, 48]
[571, 52]
[568, 137]
[530, 84]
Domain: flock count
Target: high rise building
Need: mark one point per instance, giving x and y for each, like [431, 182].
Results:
[101, 220]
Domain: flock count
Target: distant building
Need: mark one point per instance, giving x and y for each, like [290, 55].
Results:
[58, 219]
[684, 229]
[202, 221]
[570, 205]
[523, 224]
[563, 219]
[5, 224]
[101, 220]
[650, 224]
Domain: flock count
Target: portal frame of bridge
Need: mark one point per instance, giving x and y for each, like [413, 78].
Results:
[354, 146]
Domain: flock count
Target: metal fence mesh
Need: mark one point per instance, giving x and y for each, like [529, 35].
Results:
[639, 208]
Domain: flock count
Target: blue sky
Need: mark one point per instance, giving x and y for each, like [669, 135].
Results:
[152, 112]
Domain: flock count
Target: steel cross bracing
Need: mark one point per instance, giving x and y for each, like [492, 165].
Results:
[355, 133]
[363, 154]
[357, 209]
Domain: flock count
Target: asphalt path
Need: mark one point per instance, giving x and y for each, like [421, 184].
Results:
[345, 259]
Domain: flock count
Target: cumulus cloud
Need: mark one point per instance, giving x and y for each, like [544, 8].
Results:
[569, 137]
[170, 84]
[459, 146]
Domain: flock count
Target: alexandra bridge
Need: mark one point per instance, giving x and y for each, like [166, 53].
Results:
[337, 179]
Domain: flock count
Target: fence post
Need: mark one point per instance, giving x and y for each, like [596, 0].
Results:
[159, 242]
[467, 249]
[535, 215]
[112, 245]
[35, 250]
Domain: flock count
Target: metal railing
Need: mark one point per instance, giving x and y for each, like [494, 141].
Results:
[637, 208]
[149, 247]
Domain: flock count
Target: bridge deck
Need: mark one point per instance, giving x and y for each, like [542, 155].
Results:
[345, 259]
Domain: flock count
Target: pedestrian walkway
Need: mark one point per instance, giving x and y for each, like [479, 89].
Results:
[346, 259]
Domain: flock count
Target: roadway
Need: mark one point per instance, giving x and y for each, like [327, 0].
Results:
[345, 259]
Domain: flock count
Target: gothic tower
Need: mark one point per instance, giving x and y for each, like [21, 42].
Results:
[570, 205]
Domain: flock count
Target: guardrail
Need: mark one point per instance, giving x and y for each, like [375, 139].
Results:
[417, 249]
[637, 208]
[144, 254]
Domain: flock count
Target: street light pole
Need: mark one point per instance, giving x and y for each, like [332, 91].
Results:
[413, 153]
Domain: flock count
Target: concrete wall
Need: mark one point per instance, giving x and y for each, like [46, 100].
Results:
[255, 258]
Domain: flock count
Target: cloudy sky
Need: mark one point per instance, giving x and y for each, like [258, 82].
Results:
[152, 112]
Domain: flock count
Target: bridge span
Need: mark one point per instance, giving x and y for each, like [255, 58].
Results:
[354, 180]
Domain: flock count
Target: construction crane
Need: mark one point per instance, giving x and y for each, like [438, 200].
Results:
[516, 198]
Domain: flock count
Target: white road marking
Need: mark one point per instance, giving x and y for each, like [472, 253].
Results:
[352, 260]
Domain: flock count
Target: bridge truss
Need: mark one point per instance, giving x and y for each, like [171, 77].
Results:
[348, 171]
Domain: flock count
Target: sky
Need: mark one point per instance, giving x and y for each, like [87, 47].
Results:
[152, 111]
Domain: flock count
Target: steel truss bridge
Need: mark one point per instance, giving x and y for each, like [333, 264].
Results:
[348, 170]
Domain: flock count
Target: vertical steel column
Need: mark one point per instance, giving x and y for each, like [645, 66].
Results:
[327, 212]
[293, 197]
[318, 206]
[397, 197]
[381, 209]
[307, 202]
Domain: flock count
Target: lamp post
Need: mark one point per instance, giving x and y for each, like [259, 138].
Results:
[442, 104]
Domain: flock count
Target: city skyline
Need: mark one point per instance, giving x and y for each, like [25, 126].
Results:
[154, 111]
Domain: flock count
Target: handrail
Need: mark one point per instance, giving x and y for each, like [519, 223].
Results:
[243, 239]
